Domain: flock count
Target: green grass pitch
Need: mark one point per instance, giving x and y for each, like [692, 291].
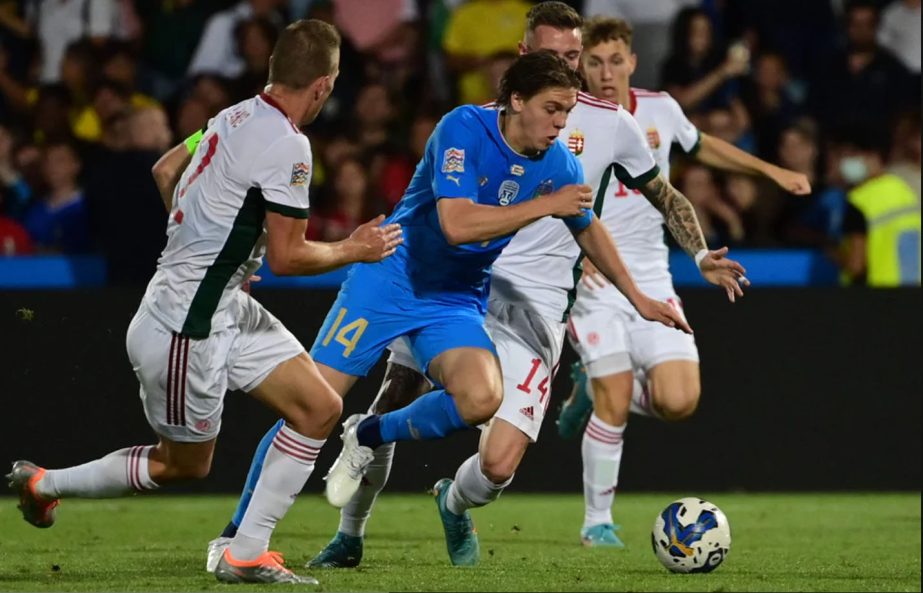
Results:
[781, 542]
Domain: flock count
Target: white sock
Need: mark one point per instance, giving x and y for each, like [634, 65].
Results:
[357, 511]
[471, 488]
[602, 455]
[119, 473]
[288, 465]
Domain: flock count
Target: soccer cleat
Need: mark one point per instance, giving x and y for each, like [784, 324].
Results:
[35, 509]
[343, 551]
[460, 536]
[575, 412]
[601, 536]
[347, 471]
[216, 549]
[269, 567]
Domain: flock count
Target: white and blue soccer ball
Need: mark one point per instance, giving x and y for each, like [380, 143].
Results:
[691, 535]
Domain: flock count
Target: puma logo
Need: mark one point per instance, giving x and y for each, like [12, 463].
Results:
[455, 179]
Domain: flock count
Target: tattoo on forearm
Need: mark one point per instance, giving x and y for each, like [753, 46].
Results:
[678, 213]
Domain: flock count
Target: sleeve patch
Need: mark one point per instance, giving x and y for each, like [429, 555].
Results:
[453, 160]
[301, 174]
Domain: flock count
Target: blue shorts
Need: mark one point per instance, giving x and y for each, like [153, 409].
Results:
[372, 310]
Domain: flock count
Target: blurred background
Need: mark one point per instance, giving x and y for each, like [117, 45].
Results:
[807, 383]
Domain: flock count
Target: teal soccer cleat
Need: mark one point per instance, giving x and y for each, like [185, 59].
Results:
[601, 536]
[343, 551]
[460, 536]
[575, 412]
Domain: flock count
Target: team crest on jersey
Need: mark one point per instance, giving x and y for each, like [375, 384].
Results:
[653, 138]
[509, 189]
[545, 187]
[301, 173]
[453, 160]
[517, 170]
[575, 142]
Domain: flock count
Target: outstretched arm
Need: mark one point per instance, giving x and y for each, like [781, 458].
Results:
[684, 226]
[167, 171]
[599, 247]
[724, 155]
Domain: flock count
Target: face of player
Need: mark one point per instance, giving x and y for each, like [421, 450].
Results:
[607, 68]
[565, 43]
[542, 117]
[322, 88]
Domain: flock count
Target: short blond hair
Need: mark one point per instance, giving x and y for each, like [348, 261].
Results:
[303, 53]
[601, 29]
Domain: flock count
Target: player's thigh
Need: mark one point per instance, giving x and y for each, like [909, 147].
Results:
[501, 449]
[183, 381]
[599, 336]
[296, 390]
[456, 352]
[361, 323]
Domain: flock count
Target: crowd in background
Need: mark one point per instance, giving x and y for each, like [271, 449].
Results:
[93, 91]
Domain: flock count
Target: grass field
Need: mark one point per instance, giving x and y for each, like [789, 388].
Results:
[781, 542]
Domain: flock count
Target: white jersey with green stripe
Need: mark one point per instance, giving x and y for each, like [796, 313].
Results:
[251, 158]
[635, 224]
[536, 270]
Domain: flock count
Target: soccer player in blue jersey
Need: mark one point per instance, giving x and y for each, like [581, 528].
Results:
[485, 174]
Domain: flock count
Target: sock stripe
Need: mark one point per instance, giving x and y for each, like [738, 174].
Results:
[286, 438]
[297, 456]
[133, 459]
[593, 433]
[605, 428]
[173, 395]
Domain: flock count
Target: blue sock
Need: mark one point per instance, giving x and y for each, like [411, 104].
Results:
[253, 476]
[431, 416]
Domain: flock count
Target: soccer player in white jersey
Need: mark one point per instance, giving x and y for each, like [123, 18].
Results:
[528, 303]
[630, 363]
[243, 194]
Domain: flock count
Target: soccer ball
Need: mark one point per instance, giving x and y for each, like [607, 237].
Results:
[691, 535]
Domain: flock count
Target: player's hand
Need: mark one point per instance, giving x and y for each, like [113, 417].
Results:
[724, 272]
[249, 282]
[570, 200]
[662, 312]
[376, 242]
[790, 181]
[592, 278]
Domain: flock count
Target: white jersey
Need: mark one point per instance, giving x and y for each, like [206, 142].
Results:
[252, 158]
[536, 270]
[635, 224]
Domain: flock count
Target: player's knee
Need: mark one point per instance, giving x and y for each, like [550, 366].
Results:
[315, 412]
[498, 469]
[678, 403]
[403, 385]
[478, 403]
[187, 469]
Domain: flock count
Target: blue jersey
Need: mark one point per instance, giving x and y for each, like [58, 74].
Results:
[467, 157]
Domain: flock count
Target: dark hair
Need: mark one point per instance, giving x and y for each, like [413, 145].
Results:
[534, 72]
[853, 5]
[601, 29]
[303, 53]
[552, 14]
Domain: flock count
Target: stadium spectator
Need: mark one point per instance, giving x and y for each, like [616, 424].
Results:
[255, 39]
[58, 221]
[398, 167]
[15, 193]
[51, 115]
[475, 31]
[905, 150]
[385, 31]
[772, 101]
[720, 223]
[881, 228]
[57, 25]
[172, 32]
[698, 72]
[861, 83]
[216, 52]
[899, 33]
[374, 114]
[348, 205]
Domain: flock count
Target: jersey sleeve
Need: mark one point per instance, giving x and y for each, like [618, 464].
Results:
[632, 160]
[283, 174]
[454, 170]
[573, 173]
[687, 136]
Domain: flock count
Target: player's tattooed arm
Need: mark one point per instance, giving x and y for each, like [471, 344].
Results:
[678, 213]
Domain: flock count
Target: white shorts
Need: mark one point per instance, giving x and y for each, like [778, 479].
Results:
[610, 337]
[529, 347]
[183, 381]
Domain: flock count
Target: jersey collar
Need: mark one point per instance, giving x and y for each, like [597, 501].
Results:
[275, 104]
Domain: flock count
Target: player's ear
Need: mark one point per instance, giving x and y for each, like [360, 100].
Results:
[516, 102]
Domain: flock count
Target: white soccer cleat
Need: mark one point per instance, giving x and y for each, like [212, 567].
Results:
[347, 471]
[216, 549]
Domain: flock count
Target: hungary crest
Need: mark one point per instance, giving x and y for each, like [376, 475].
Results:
[575, 142]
